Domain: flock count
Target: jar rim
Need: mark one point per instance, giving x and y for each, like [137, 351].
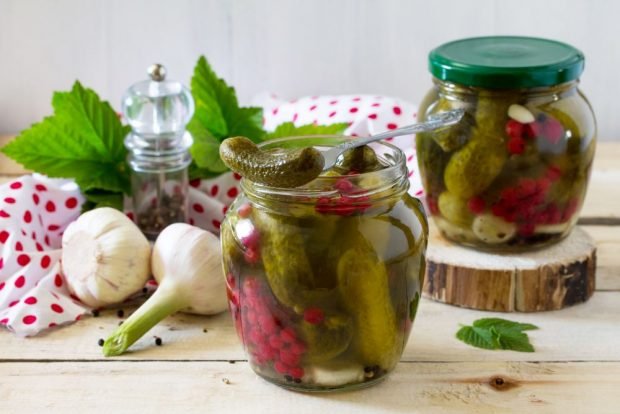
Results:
[323, 186]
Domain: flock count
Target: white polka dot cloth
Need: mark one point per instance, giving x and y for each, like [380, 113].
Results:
[35, 210]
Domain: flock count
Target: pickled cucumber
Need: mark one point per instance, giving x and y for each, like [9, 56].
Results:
[474, 167]
[278, 168]
[287, 267]
[363, 283]
[328, 339]
[359, 159]
[492, 114]
[454, 137]
[455, 209]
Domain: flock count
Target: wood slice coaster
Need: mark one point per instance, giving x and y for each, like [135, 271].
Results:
[553, 278]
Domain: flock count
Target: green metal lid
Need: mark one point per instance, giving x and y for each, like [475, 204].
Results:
[506, 62]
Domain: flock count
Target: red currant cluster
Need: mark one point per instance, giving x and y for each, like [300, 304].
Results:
[345, 204]
[545, 126]
[270, 338]
[526, 204]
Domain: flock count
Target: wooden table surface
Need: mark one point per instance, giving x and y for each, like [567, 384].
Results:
[201, 366]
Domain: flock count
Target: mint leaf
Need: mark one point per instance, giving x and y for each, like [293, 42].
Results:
[503, 324]
[480, 338]
[497, 333]
[288, 129]
[515, 341]
[83, 140]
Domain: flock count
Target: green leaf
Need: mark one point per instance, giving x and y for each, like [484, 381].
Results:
[515, 341]
[503, 324]
[83, 140]
[99, 198]
[217, 109]
[288, 129]
[196, 172]
[497, 333]
[206, 150]
[480, 338]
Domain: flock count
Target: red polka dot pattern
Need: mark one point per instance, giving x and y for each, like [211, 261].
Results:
[232, 192]
[23, 259]
[30, 300]
[29, 319]
[71, 202]
[20, 281]
[34, 214]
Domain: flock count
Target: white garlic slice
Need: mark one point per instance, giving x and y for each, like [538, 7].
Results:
[552, 228]
[520, 114]
[492, 229]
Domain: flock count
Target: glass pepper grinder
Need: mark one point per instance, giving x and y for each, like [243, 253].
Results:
[158, 111]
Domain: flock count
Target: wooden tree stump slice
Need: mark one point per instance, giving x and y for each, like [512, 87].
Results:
[553, 278]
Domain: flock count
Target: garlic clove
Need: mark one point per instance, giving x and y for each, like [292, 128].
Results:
[105, 257]
[520, 114]
[493, 230]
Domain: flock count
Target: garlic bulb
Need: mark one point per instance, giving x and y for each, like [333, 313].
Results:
[191, 257]
[105, 257]
[187, 263]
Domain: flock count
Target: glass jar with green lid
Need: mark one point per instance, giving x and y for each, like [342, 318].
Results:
[513, 174]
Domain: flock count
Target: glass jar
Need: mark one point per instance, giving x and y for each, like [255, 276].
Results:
[158, 111]
[324, 280]
[513, 173]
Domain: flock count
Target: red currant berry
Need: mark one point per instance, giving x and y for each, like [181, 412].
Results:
[514, 129]
[314, 316]
[476, 205]
[516, 146]
[532, 130]
[244, 210]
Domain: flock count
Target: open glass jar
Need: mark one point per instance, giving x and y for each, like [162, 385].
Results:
[513, 174]
[324, 280]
